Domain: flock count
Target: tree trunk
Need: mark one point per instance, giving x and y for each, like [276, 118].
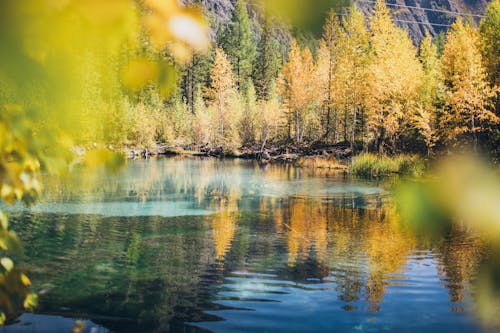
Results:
[353, 131]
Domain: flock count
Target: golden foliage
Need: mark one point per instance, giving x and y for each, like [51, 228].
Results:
[469, 96]
[298, 89]
[394, 78]
[224, 97]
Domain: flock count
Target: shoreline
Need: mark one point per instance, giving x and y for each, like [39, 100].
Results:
[327, 156]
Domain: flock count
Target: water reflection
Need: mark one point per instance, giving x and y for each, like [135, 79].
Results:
[327, 254]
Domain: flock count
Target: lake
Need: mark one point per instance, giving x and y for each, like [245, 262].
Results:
[205, 245]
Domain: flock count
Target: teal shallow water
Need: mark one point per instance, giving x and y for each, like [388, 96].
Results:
[191, 245]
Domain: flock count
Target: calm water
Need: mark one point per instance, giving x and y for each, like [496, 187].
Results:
[191, 245]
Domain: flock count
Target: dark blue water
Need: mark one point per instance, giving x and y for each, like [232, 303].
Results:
[191, 245]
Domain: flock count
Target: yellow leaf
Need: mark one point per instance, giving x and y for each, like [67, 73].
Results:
[7, 263]
[25, 280]
[31, 301]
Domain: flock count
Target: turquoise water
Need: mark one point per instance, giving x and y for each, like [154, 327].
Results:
[203, 245]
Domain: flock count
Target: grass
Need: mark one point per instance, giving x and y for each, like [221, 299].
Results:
[371, 165]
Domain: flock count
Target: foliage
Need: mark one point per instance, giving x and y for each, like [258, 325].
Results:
[490, 39]
[68, 72]
[249, 118]
[239, 45]
[462, 191]
[430, 98]
[298, 90]
[393, 83]
[268, 61]
[468, 95]
[363, 85]
[224, 97]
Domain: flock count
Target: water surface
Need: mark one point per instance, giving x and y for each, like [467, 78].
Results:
[203, 245]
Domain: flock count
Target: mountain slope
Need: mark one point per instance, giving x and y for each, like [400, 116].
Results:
[416, 16]
[433, 16]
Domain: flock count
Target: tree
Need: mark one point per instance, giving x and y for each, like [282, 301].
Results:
[393, 80]
[490, 38]
[248, 125]
[224, 97]
[201, 126]
[271, 117]
[469, 97]
[297, 87]
[424, 118]
[238, 43]
[196, 73]
[357, 55]
[328, 72]
[268, 62]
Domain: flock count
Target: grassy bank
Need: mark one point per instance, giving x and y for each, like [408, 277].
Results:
[371, 165]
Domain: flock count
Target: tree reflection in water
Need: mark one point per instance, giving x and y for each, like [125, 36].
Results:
[153, 273]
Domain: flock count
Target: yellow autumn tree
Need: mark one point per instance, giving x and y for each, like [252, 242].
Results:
[225, 111]
[357, 60]
[271, 117]
[469, 98]
[424, 118]
[298, 90]
[329, 70]
[394, 80]
[490, 38]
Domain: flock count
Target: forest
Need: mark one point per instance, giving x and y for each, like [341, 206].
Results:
[363, 83]
[388, 212]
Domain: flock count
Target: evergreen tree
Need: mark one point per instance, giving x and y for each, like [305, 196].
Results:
[268, 62]
[196, 73]
[238, 43]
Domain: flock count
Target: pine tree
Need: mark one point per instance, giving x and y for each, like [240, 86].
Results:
[224, 97]
[393, 82]
[196, 73]
[238, 43]
[268, 62]
[468, 95]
